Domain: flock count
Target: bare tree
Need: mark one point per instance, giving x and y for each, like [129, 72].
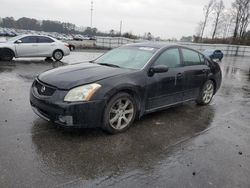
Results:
[244, 18]
[198, 29]
[207, 11]
[218, 9]
[241, 9]
[227, 20]
[112, 32]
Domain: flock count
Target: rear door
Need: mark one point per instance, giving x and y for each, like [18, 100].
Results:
[196, 73]
[165, 89]
[27, 47]
[45, 46]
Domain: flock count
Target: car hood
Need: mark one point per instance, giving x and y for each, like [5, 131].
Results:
[70, 76]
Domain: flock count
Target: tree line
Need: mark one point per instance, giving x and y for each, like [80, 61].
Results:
[57, 26]
[225, 25]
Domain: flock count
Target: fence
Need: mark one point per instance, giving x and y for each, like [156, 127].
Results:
[229, 50]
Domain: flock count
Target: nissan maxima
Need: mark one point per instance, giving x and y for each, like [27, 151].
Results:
[124, 84]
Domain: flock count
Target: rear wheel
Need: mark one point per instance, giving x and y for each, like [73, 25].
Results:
[7, 55]
[58, 55]
[71, 47]
[207, 93]
[119, 113]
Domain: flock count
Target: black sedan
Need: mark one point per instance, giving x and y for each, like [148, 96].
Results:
[124, 84]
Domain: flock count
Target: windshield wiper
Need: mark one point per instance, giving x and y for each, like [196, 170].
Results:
[110, 65]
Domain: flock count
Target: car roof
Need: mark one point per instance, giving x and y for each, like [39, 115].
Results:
[36, 35]
[156, 45]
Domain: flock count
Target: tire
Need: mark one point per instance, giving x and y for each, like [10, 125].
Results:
[71, 47]
[206, 94]
[7, 55]
[58, 55]
[48, 59]
[119, 113]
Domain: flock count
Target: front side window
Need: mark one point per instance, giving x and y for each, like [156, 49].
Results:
[30, 39]
[191, 57]
[170, 58]
[127, 57]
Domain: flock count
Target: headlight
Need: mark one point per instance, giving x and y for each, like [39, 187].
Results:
[81, 93]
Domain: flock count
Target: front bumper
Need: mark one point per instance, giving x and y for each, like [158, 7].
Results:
[80, 114]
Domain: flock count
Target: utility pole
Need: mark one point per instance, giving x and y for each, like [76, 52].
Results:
[91, 14]
[121, 28]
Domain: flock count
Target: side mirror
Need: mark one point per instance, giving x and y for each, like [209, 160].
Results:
[18, 42]
[157, 69]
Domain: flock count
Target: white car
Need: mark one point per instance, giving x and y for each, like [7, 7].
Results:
[33, 46]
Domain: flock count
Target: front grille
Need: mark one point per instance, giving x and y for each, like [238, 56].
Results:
[44, 90]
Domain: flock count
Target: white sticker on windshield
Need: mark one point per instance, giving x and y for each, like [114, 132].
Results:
[146, 48]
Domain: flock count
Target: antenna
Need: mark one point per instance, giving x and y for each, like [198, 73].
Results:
[91, 14]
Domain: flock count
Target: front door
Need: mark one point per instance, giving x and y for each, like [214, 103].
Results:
[165, 89]
[27, 47]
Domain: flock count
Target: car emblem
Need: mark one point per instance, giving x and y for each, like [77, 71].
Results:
[43, 89]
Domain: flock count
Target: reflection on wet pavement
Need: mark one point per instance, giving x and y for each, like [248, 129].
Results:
[184, 146]
[100, 154]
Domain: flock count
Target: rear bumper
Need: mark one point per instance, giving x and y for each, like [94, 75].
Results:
[66, 51]
[81, 114]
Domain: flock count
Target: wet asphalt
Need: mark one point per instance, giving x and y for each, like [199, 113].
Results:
[184, 146]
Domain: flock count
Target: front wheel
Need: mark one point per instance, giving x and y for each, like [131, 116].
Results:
[58, 55]
[206, 94]
[119, 113]
[7, 55]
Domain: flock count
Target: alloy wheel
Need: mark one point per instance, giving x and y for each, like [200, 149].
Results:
[58, 55]
[121, 113]
[208, 92]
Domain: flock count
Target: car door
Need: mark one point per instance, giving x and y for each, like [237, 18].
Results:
[45, 46]
[165, 89]
[196, 73]
[26, 46]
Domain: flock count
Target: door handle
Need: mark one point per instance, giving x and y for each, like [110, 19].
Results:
[179, 76]
[204, 70]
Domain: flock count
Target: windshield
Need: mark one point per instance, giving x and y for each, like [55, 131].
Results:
[12, 39]
[127, 57]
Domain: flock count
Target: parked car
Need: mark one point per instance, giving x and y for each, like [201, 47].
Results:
[33, 46]
[124, 84]
[214, 54]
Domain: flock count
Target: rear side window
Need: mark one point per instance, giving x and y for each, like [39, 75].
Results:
[29, 39]
[42, 39]
[191, 57]
[170, 58]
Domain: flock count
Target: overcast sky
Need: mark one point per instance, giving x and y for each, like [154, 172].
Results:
[164, 18]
